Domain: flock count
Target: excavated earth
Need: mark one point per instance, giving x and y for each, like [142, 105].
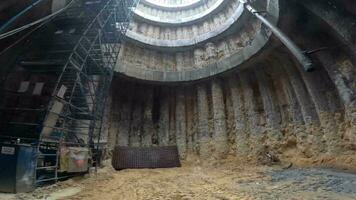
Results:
[225, 179]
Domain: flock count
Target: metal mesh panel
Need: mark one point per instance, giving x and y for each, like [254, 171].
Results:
[145, 157]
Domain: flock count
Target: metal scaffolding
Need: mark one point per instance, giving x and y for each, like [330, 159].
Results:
[55, 96]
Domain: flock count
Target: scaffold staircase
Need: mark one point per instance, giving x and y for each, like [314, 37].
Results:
[72, 60]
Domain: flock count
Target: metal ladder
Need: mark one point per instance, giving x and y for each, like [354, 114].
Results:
[75, 54]
[87, 75]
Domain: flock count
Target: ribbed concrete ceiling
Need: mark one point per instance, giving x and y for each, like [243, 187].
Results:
[156, 27]
[220, 41]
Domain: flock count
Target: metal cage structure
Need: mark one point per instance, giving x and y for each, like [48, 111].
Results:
[55, 95]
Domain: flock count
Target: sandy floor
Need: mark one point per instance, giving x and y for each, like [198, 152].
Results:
[188, 182]
[224, 180]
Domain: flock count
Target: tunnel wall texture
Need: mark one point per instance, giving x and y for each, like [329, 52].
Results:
[272, 107]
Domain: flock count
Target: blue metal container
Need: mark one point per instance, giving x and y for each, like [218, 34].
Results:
[17, 168]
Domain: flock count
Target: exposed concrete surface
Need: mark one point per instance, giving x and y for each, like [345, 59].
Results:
[167, 37]
[204, 49]
[273, 107]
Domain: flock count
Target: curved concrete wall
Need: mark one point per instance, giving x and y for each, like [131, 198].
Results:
[184, 35]
[198, 57]
[272, 108]
[215, 57]
[202, 64]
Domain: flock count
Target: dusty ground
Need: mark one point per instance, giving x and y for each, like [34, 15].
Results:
[221, 180]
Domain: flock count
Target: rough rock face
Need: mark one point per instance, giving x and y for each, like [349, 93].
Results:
[272, 107]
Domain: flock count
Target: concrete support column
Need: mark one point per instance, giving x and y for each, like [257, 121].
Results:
[172, 117]
[319, 87]
[220, 138]
[203, 126]
[253, 118]
[294, 111]
[270, 105]
[181, 129]
[310, 115]
[112, 123]
[136, 123]
[120, 110]
[292, 116]
[163, 129]
[124, 125]
[191, 119]
[342, 73]
[240, 120]
[309, 140]
[148, 130]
